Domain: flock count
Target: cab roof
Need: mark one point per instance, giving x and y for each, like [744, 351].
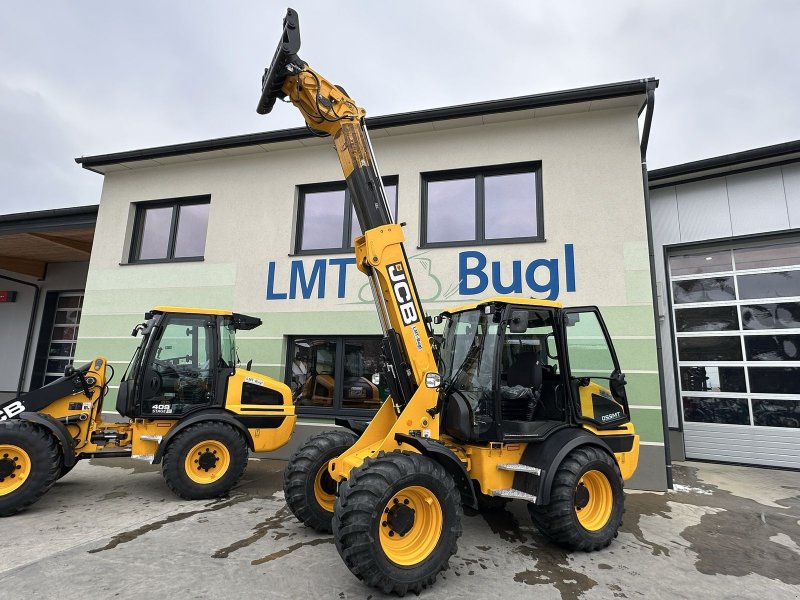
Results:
[506, 300]
[192, 311]
[241, 322]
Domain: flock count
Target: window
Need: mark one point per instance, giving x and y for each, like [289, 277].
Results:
[334, 373]
[327, 220]
[170, 231]
[490, 205]
[736, 313]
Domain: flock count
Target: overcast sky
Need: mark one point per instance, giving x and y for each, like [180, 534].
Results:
[93, 77]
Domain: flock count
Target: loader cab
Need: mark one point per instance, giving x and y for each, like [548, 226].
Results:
[182, 363]
[521, 371]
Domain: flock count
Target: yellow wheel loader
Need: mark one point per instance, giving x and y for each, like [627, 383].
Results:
[189, 407]
[523, 399]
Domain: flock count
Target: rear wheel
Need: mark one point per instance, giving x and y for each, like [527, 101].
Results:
[30, 461]
[205, 460]
[586, 501]
[309, 489]
[397, 521]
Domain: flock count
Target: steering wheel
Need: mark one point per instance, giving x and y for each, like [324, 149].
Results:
[163, 367]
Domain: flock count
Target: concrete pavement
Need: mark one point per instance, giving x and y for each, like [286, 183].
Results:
[112, 529]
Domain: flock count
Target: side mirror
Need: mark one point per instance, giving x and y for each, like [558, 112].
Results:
[519, 321]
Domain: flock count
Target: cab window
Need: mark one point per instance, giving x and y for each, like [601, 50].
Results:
[178, 375]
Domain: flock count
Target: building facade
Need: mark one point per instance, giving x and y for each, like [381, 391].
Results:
[728, 278]
[540, 196]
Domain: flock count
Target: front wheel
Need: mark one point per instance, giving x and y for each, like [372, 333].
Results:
[309, 489]
[586, 501]
[30, 462]
[205, 460]
[397, 521]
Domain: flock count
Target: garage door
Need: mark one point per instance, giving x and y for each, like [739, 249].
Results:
[736, 319]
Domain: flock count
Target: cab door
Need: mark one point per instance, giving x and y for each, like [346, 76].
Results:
[596, 380]
[179, 370]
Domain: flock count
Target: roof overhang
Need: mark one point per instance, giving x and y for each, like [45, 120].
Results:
[600, 97]
[728, 164]
[30, 241]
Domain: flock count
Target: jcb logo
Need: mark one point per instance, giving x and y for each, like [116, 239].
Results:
[12, 410]
[402, 292]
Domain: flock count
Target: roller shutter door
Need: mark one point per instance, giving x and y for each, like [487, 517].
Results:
[736, 321]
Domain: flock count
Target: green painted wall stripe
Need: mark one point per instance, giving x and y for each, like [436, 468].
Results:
[629, 320]
[636, 355]
[160, 276]
[643, 389]
[648, 424]
[139, 300]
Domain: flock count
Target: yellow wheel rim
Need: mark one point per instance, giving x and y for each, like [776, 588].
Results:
[15, 468]
[408, 538]
[594, 500]
[325, 489]
[207, 461]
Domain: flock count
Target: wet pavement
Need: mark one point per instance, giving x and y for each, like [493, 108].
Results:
[112, 529]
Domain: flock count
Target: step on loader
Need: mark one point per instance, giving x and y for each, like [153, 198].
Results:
[189, 409]
[522, 400]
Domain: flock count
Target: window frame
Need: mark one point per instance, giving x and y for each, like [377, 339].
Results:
[138, 229]
[332, 186]
[479, 174]
[336, 410]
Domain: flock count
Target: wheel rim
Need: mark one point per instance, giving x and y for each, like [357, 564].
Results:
[15, 467]
[594, 500]
[207, 461]
[411, 525]
[325, 489]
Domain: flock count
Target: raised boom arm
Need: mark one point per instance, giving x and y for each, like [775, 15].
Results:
[412, 371]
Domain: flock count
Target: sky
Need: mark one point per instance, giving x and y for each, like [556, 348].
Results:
[95, 76]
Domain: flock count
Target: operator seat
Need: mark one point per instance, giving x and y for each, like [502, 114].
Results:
[525, 371]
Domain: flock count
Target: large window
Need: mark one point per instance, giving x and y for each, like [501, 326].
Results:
[329, 374]
[170, 231]
[327, 220]
[737, 324]
[491, 205]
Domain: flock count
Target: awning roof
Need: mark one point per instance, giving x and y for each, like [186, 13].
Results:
[31, 240]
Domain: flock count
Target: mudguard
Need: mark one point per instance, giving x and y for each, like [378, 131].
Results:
[58, 429]
[203, 415]
[444, 456]
[357, 426]
[548, 455]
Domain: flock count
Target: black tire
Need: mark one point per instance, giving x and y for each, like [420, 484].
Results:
[175, 471]
[360, 520]
[300, 477]
[44, 457]
[559, 520]
[66, 469]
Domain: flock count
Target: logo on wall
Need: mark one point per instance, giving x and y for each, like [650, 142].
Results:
[476, 275]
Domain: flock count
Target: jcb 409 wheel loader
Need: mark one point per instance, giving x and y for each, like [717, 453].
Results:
[523, 400]
[190, 409]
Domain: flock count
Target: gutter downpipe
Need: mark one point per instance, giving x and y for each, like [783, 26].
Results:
[28, 339]
[648, 118]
